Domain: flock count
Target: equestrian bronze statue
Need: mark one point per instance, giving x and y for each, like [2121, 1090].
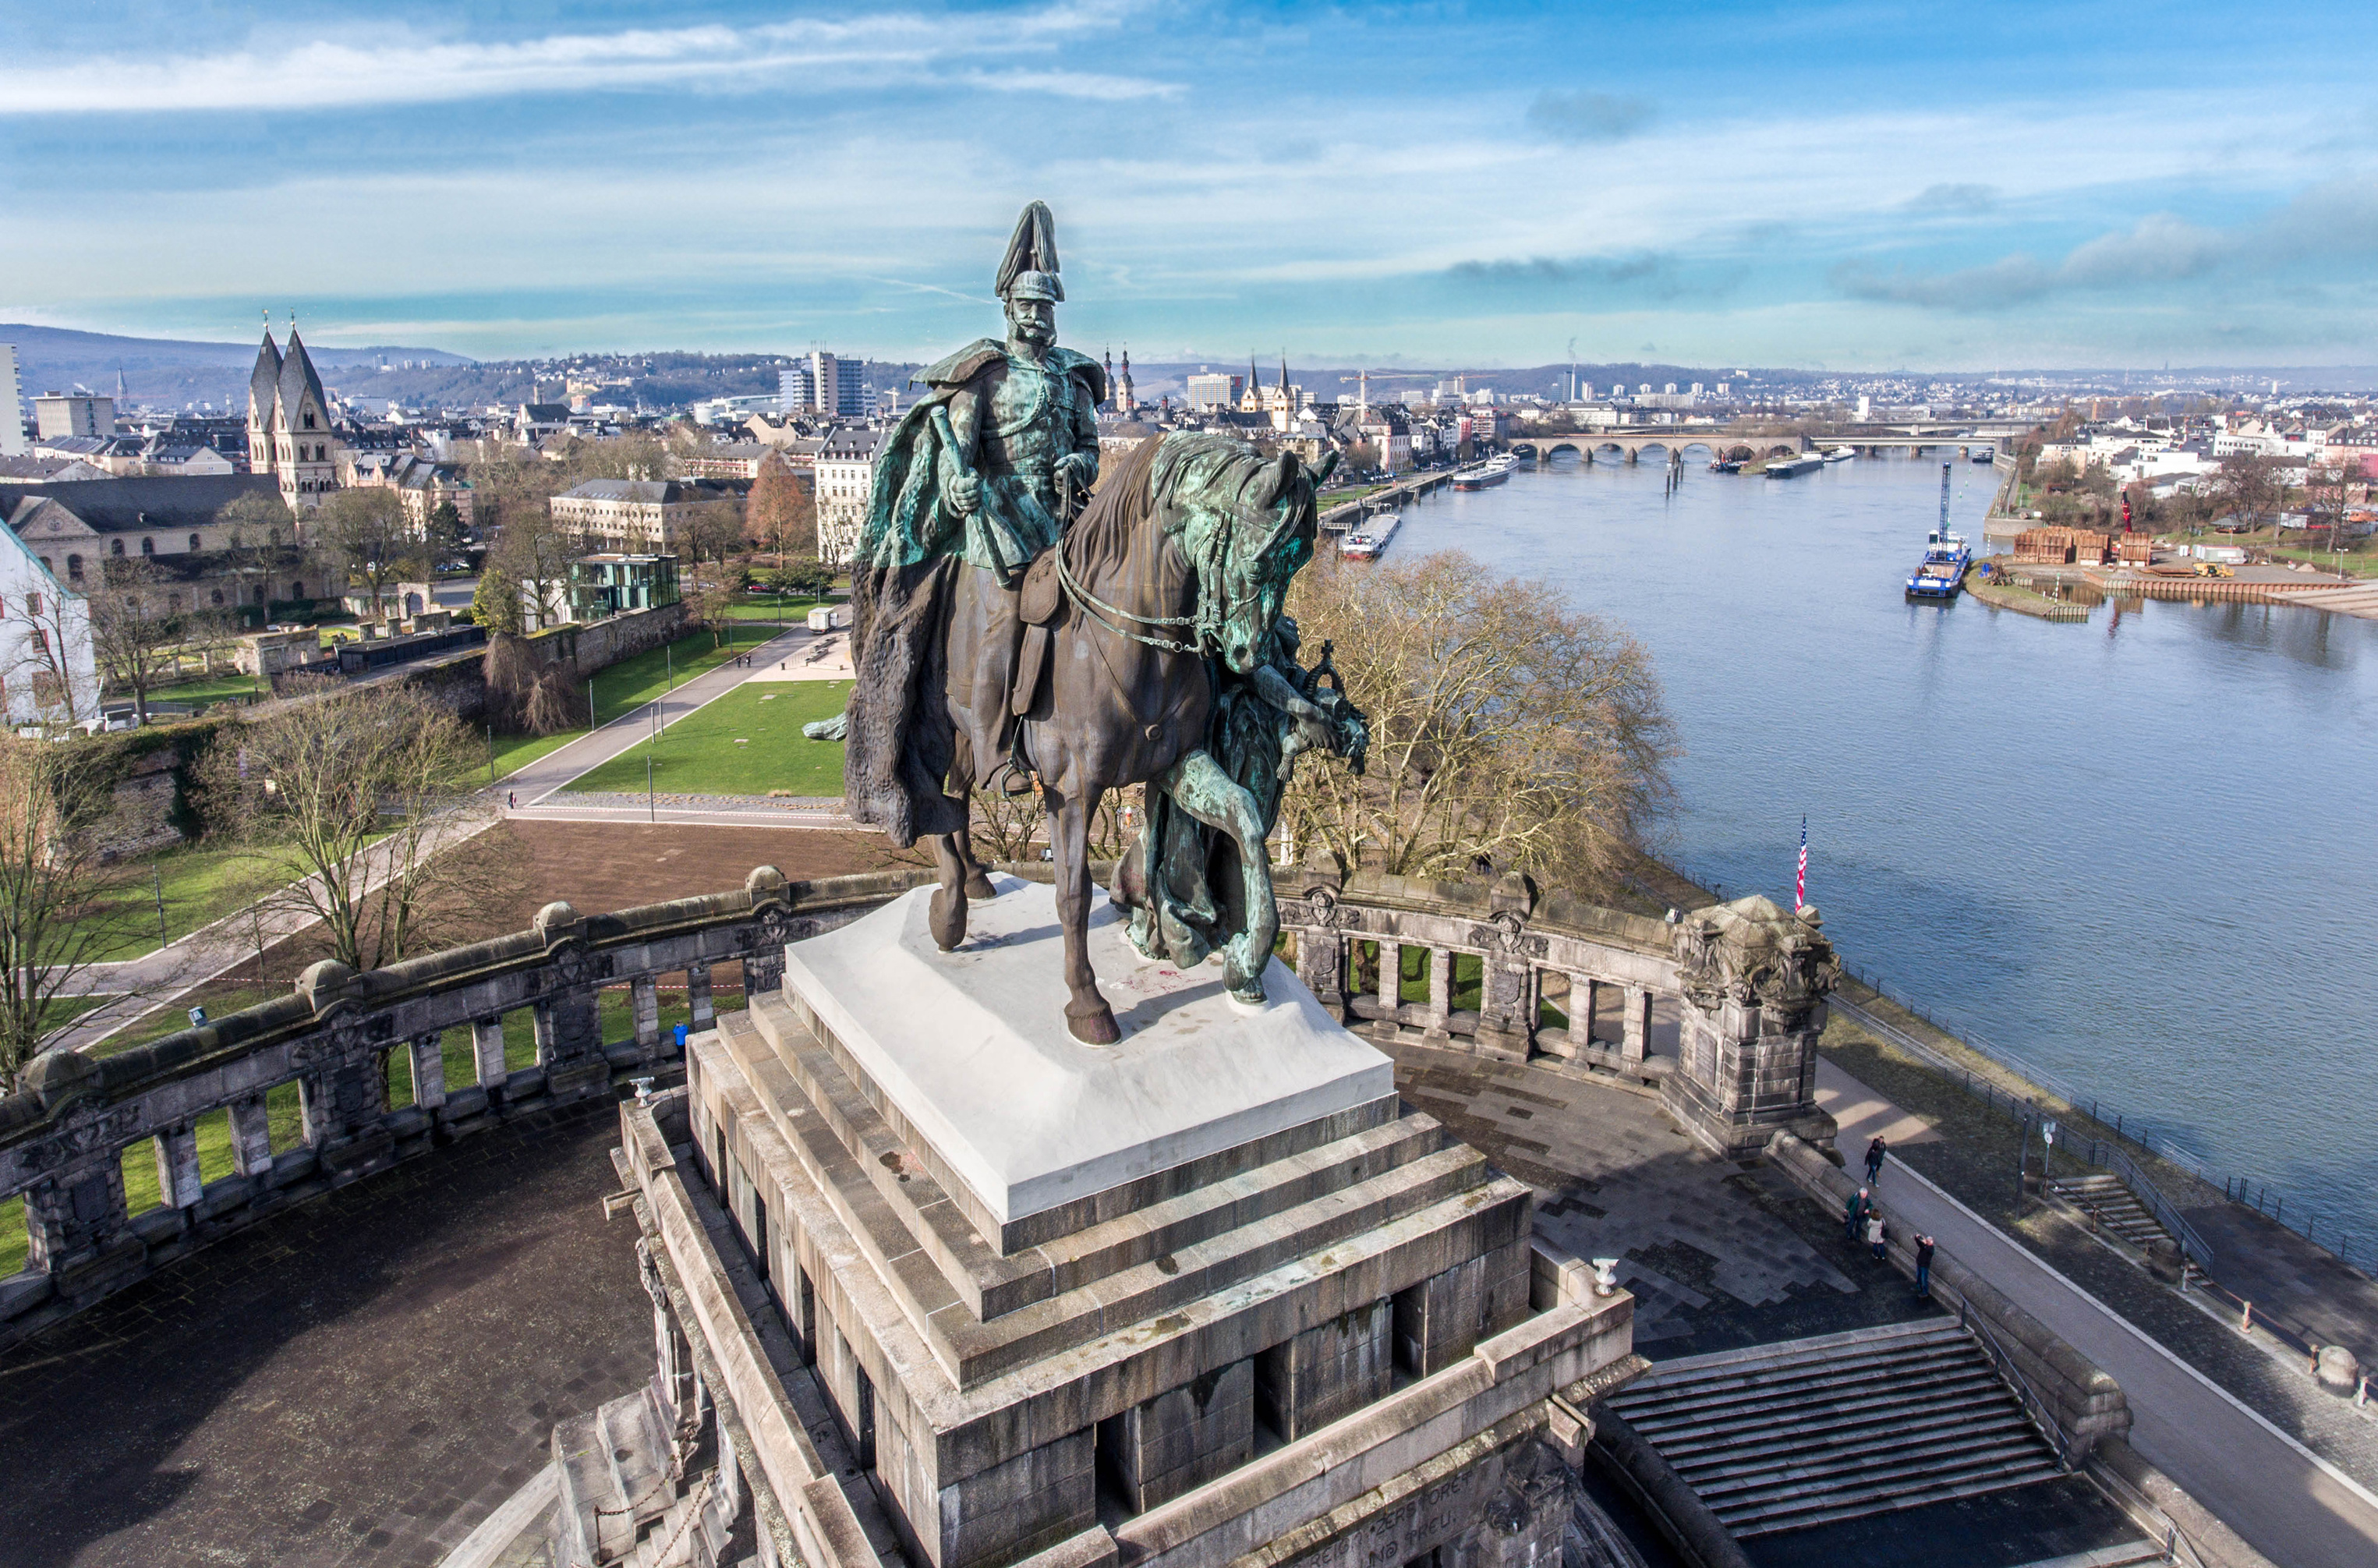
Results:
[1009, 625]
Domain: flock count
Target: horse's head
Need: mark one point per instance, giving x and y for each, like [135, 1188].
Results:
[1248, 523]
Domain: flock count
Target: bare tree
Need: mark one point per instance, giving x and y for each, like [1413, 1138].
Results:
[137, 627]
[708, 593]
[714, 532]
[368, 527]
[56, 915]
[2248, 484]
[46, 656]
[781, 514]
[535, 552]
[366, 806]
[2327, 492]
[1505, 724]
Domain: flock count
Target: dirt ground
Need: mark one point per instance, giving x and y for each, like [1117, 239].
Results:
[611, 866]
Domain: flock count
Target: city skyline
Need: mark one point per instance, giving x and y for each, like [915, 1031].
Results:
[1840, 189]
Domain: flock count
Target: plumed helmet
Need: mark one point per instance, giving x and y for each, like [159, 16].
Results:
[1029, 269]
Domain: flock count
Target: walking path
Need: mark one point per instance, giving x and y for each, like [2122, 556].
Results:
[540, 779]
[2290, 1504]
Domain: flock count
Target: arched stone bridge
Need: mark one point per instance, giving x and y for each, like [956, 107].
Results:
[1631, 445]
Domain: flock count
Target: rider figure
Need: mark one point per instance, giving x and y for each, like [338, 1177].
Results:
[981, 476]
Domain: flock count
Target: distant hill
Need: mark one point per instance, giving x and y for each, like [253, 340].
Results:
[168, 371]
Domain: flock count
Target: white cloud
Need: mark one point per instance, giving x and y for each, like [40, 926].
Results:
[392, 67]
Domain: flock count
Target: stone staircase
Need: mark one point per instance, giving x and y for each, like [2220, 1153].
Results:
[621, 1502]
[1782, 1436]
[2113, 1206]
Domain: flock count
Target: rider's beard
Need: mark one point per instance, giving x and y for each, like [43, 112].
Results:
[1035, 335]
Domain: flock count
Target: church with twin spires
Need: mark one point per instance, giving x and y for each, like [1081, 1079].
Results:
[289, 434]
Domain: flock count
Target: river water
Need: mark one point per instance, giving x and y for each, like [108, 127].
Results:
[2133, 851]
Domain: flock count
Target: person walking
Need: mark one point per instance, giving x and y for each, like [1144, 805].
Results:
[1852, 1215]
[1924, 1268]
[1874, 1152]
[512, 799]
[1874, 1233]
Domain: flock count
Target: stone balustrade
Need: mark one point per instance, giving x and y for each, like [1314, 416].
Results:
[63, 1138]
[1744, 981]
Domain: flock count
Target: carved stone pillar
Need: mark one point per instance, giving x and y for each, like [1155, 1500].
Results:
[1754, 982]
[251, 1136]
[1440, 990]
[487, 1056]
[75, 1226]
[569, 1036]
[1390, 992]
[1320, 948]
[697, 997]
[763, 968]
[178, 1181]
[429, 1070]
[644, 996]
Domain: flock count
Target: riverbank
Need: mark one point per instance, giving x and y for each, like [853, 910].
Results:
[2000, 594]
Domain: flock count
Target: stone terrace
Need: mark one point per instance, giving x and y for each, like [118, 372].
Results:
[358, 1381]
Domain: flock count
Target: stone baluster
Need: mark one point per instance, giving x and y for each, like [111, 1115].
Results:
[178, 1182]
[1440, 991]
[646, 997]
[1582, 994]
[487, 1056]
[1390, 979]
[251, 1136]
[429, 1069]
[1637, 1041]
[697, 997]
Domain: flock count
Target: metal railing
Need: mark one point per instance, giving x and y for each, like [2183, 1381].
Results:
[2107, 1155]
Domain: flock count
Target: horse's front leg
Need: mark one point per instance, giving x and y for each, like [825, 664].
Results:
[977, 876]
[946, 916]
[1198, 786]
[1087, 1015]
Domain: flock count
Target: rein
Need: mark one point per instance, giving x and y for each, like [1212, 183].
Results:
[1097, 609]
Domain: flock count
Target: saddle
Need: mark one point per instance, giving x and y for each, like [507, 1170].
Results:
[1038, 604]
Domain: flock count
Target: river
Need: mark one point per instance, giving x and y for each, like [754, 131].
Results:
[2129, 851]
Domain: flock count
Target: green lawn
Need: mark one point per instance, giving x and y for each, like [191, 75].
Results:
[747, 742]
[223, 685]
[632, 682]
[793, 609]
[201, 885]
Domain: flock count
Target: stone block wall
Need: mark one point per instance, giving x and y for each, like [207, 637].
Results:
[1329, 1370]
[1183, 1438]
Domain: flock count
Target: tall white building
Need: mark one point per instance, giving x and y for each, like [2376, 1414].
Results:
[12, 404]
[48, 671]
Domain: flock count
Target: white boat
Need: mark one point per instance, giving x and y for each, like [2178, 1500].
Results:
[1370, 536]
[1494, 471]
[1840, 453]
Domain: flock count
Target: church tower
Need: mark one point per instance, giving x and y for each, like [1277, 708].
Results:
[289, 430]
[1252, 400]
[1126, 403]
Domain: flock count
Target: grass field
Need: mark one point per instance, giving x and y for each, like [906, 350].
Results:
[632, 682]
[793, 609]
[223, 685]
[747, 742]
[201, 885]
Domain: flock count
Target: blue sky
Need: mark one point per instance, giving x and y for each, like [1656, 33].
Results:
[1846, 185]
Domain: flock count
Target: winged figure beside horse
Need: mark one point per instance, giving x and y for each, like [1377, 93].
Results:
[1015, 622]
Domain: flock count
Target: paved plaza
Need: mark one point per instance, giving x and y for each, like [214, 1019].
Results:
[357, 1382]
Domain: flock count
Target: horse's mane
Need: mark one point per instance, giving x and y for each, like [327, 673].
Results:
[1187, 465]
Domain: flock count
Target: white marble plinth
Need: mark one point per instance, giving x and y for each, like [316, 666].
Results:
[972, 1049]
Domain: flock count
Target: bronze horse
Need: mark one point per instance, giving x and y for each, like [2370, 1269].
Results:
[1182, 556]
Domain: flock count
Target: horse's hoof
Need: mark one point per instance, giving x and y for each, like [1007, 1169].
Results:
[947, 919]
[1093, 1025]
[978, 885]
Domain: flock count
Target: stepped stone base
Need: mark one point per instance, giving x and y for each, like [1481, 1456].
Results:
[975, 1295]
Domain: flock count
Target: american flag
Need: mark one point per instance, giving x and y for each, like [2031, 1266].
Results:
[1800, 889]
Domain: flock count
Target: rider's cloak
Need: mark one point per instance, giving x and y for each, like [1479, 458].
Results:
[898, 749]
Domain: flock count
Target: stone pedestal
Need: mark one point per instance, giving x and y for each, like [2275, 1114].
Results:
[1754, 979]
[1208, 1291]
